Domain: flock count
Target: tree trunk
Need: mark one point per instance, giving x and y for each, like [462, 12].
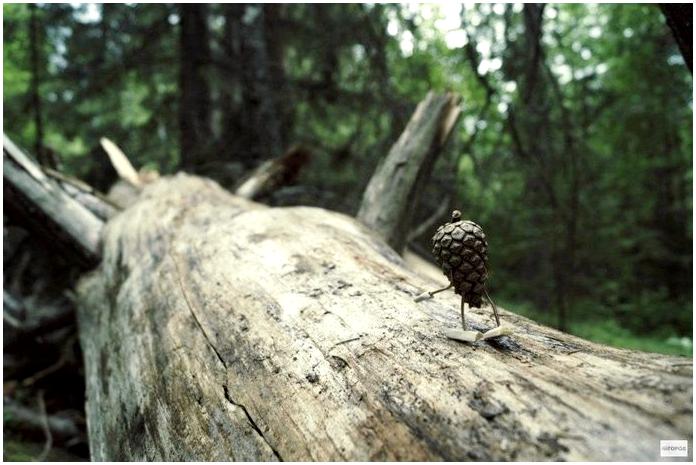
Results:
[255, 113]
[281, 105]
[261, 78]
[680, 18]
[34, 45]
[218, 329]
[233, 134]
[194, 105]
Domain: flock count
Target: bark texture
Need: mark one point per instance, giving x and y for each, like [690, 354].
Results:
[391, 195]
[218, 329]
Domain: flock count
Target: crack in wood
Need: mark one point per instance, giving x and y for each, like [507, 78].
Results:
[251, 422]
[193, 313]
[344, 342]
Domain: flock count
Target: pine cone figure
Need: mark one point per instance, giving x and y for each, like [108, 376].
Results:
[461, 250]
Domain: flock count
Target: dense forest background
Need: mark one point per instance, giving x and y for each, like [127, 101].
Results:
[574, 149]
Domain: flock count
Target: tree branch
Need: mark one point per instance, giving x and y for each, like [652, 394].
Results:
[47, 208]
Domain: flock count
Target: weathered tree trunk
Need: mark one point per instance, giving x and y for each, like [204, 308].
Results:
[218, 329]
[391, 196]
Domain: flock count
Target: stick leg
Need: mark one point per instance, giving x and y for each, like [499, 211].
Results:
[495, 309]
[432, 293]
[463, 308]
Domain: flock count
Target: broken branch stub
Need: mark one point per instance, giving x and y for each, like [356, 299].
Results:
[274, 174]
[392, 193]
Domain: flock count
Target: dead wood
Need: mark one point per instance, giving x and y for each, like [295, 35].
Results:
[47, 208]
[219, 329]
[273, 174]
[392, 193]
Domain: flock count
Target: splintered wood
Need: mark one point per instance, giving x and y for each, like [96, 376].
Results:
[475, 336]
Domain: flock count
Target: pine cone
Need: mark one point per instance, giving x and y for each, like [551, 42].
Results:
[461, 250]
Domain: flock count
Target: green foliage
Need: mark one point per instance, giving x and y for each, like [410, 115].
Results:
[611, 332]
[575, 159]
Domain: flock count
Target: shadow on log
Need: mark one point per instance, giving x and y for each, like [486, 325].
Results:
[219, 329]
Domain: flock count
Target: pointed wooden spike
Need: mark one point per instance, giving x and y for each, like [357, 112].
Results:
[120, 162]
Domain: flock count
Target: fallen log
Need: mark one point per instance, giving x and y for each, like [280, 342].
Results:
[219, 329]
